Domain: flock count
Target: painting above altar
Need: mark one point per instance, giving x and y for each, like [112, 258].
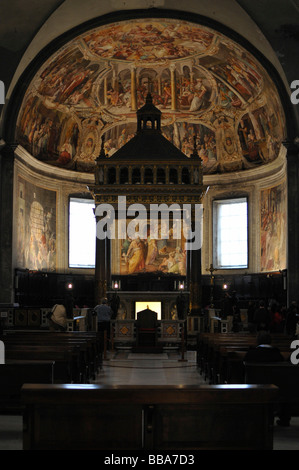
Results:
[165, 254]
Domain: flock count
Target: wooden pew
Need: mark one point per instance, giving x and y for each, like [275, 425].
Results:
[286, 377]
[80, 350]
[13, 375]
[208, 351]
[215, 351]
[118, 417]
[235, 370]
[67, 368]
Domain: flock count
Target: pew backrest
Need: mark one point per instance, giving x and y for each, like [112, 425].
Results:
[119, 417]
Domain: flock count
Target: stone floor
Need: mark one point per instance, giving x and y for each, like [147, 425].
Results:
[126, 368]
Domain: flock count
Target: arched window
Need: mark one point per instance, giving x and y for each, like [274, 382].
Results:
[149, 124]
[111, 175]
[148, 176]
[161, 179]
[173, 176]
[136, 176]
[185, 175]
[124, 175]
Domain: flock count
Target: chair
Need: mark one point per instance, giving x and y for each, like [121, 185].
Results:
[146, 328]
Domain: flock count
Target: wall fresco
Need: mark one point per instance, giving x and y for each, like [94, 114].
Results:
[273, 228]
[198, 78]
[36, 227]
[137, 255]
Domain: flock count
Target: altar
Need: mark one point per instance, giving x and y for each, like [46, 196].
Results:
[149, 258]
[170, 334]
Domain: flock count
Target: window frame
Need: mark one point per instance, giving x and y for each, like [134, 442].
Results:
[216, 255]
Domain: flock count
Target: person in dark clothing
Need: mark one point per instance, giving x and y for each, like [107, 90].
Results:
[104, 314]
[262, 317]
[114, 304]
[277, 320]
[180, 305]
[227, 306]
[292, 319]
[250, 316]
[264, 351]
[236, 318]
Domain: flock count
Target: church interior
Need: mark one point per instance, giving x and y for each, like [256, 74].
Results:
[149, 163]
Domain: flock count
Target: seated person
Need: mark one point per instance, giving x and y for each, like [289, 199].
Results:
[57, 318]
[264, 351]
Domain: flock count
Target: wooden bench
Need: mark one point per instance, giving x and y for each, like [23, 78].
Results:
[118, 417]
[215, 350]
[234, 364]
[13, 375]
[77, 355]
[286, 377]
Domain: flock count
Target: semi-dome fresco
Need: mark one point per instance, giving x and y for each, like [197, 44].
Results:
[203, 82]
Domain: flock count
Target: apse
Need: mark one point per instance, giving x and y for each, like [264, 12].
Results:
[204, 83]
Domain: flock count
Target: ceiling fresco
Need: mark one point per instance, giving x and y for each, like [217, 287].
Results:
[203, 82]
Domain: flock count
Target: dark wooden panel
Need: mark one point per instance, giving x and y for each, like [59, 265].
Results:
[149, 417]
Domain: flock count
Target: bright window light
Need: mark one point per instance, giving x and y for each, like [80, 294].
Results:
[82, 233]
[230, 233]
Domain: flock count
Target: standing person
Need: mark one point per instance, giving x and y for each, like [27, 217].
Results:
[114, 304]
[262, 317]
[292, 319]
[104, 314]
[250, 316]
[236, 318]
[277, 320]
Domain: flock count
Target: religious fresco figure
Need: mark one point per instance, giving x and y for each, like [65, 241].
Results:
[135, 256]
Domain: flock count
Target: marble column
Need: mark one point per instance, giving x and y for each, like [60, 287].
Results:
[105, 91]
[6, 223]
[173, 88]
[100, 278]
[194, 275]
[103, 267]
[195, 282]
[133, 89]
[293, 222]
